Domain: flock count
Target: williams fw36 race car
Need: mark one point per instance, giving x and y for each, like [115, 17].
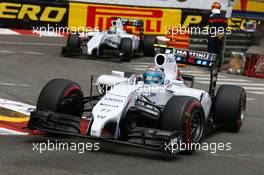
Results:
[114, 41]
[148, 110]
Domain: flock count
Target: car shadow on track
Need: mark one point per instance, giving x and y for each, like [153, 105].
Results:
[111, 59]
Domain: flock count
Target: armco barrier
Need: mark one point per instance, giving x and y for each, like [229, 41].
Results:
[26, 14]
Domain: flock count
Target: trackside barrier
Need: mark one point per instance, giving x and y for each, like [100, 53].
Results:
[26, 14]
[254, 66]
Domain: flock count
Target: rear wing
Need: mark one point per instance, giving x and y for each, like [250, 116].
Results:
[197, 58]
[130, 22]
[190, 57]
[134, 23]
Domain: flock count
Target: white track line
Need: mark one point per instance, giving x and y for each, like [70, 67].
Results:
[256, 92]
[192, 71]
[241, 83]
[13, 84]
[204, 76]
[139, 63]
[139, 66]
[219, 80]
[139, 69]
[32, 53]
[254, 88]
[23, 43]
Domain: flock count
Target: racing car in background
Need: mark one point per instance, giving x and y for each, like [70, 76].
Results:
[146, 110]
[114, 41]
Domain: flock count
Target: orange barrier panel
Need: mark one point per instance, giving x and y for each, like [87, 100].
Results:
[179, 40]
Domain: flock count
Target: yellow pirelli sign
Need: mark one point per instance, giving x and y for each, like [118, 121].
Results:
[93, 15]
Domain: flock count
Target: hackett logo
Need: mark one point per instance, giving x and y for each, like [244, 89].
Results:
[101, 16]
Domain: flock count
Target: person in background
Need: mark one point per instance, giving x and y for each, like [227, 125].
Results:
[217, 25]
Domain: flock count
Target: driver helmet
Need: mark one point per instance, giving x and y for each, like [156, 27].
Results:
[153, 75]
[112, 30]
[216, 8]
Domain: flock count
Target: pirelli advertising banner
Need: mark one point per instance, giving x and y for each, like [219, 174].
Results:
[155, 19]
[32, 13]
[27, 14]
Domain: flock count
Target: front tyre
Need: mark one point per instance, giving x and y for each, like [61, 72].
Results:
[52, 97]
[184, 114]
[230, 106]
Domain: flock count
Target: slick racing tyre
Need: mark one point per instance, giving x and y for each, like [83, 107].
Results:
[73, 40]
[127, 49]
[53, 112]
[230, 106]
[148, 45]
[127, 123]
[184, 114]
[73, 46]
[55, 92]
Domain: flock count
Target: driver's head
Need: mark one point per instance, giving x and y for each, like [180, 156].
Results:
[112, 30]
[216, 8]
[153, 75]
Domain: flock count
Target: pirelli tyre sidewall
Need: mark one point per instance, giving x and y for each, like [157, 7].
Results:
[73, 46]
[148, 45]
[73, 40]
[55, 91]
[184, 114]
[230, 106]
[127, 49]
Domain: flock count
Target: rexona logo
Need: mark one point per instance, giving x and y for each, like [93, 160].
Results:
[32, 12]
[155, 20]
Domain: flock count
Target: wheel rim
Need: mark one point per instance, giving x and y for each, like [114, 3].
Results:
[196, 126]
[73, 92]
[242, 113]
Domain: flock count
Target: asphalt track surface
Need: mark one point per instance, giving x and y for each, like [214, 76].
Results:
[27, 63]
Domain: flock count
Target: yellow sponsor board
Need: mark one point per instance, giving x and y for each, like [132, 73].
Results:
[33, 12]
[251, 6]
[93, 15]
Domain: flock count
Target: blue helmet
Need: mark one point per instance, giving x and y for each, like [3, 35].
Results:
[153, 75]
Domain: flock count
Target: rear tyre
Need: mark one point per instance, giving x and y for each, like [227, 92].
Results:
[230, 106]
[184, 114]
[127, 49]
[73, 40]
[73, 46]
[148, 45]
[53, 94]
